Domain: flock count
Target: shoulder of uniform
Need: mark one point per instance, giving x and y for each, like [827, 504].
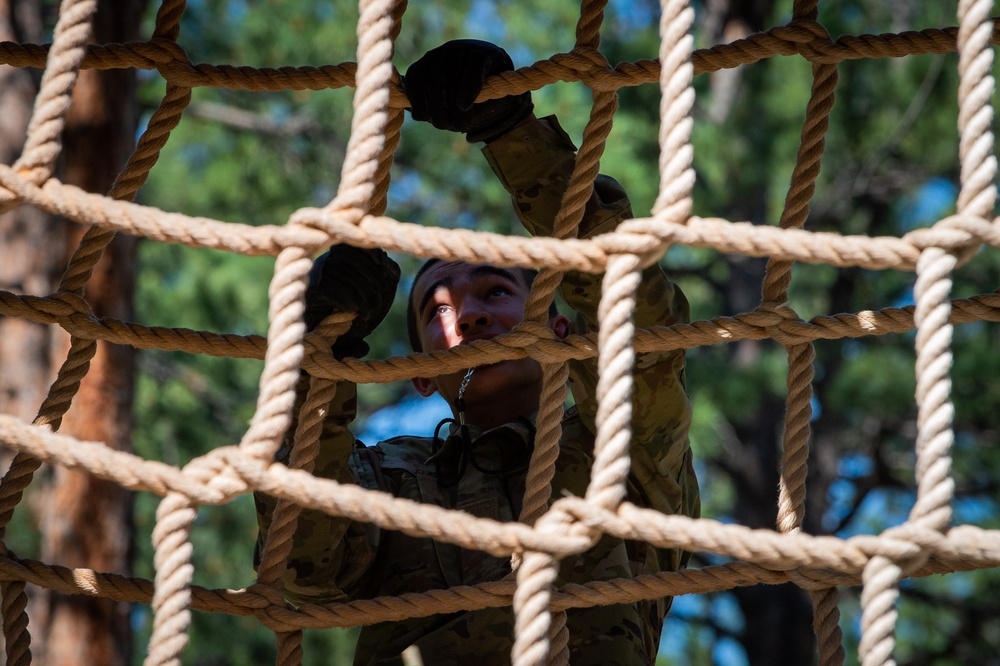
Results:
[406, 446]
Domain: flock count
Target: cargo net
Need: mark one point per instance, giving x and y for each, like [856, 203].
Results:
[548, 531]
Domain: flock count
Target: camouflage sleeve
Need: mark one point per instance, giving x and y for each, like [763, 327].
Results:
[534, 162]
[329, 555]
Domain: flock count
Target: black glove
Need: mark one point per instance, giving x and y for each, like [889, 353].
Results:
[351, 279]
[443, 85]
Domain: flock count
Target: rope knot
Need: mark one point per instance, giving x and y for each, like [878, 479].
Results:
[778, 320]
[65, 304]
[268, 603]
[909, 545]
[540, 336]
[567, 520]
[214, 473]
[598, 66]
[647, 239]
[168, 56]
[803, 31]
[809, 38]
[960, 234]
[336, 224]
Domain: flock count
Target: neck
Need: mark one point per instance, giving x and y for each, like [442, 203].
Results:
[498, 411]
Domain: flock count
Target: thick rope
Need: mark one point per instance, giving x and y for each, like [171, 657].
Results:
[578, 193]
[922, 546]
[44, 142]
[935, 487]
[534, 645]
[174, 572]
[376, 28]
[41, 148]
[284, 520]
[777, 278]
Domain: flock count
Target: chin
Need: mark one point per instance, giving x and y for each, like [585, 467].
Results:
[507, 375]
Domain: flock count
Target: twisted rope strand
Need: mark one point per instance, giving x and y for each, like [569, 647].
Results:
[921, 546]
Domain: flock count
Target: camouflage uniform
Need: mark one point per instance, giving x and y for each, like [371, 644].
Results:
[336, 560]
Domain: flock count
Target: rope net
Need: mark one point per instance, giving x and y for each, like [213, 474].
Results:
[922, 545]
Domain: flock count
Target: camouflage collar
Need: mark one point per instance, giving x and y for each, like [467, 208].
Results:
[495, 451]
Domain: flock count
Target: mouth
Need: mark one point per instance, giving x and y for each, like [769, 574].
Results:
[478, 338]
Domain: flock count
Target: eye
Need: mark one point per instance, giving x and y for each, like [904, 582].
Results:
[440, 309]
[498, 290]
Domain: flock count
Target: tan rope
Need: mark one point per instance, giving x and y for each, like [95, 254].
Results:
[284, 520]
[796, 38]
[801, 357]
[935, 487]
[480, 247]
[42, 146]
[756, 325]
[921, 546]
[44, 140]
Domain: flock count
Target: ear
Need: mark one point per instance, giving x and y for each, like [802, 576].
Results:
[560, 325]
[424, 386]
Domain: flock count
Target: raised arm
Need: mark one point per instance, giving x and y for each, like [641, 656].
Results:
[534, 159]
[329, 555]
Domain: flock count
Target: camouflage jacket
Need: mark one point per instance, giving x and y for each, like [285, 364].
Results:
[336, 560]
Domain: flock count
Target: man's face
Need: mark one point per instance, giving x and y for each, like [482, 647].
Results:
[457, 303]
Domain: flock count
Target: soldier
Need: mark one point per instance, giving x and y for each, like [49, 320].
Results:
[481, 469]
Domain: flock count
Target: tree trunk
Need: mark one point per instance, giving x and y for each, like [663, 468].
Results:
[30, 255]
[85, 522]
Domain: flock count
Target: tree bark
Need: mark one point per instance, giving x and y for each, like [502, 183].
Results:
[85, 522]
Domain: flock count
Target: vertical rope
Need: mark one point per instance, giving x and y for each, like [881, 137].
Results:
[42, 147]
[15, 623]
[935, 413]
[775, 291]
[381, 194]
[285, 517]
[611, 454]
[69, 45]
[614, 385]
[826, 626]
[676, 160]
[541, 469]
[303, 456]
[364, 188]
[588, 27]
[578, 193]
[534, 625]
[801, 357]
[376, 27]
[975, 111]
[795, 455]
[559, 640]
[807, 168]
[538, 483]
[289, 648]
[172, 584]
[394, 123]
[935, 487]
[283, 357]
[805, 10]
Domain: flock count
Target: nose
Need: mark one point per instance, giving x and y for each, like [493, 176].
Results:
[473, 316]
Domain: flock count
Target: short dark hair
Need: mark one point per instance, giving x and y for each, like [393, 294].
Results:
[528, 274]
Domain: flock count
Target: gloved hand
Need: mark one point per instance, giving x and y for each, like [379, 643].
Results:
[351, 279]
[445, 82]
